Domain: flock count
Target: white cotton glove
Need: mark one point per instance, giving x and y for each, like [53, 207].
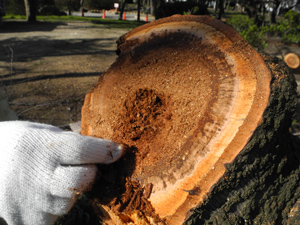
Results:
[41, 167]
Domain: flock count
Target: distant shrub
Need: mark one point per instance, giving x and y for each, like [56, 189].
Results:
[15, 7]
[50, 10]
[103, 4]
[44, 7]
[288, 28]
[249, 30]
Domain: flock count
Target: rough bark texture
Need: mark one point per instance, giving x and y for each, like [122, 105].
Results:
[207, 119]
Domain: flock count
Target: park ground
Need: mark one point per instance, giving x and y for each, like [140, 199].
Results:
[46, 68]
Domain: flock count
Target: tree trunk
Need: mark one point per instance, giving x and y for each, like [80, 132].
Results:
[274, 12]
[81, 6]
[69, 10]
[273, 17]
[263, 15]
[30, 8]
[122, 9]
[221, 9]
[216, 4]
[139, 10]
[206, 119]
[154, 5]
[81, 3]
[250, 9]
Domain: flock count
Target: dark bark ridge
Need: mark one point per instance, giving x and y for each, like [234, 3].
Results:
[262, 185]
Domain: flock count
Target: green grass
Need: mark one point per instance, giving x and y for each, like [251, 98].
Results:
[110, 23]
[18, 17]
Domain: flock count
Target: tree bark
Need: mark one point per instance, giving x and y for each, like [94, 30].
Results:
[206, 119]
[81, 6]
[81, 3]
[221, 9]
[138, 10]
[30, 8]
[154, 5]
[122, 9]
[274, 12]
[251, 10]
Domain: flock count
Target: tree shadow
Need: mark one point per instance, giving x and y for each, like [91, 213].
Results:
[33, 48]
[23, 26]
[45, 77]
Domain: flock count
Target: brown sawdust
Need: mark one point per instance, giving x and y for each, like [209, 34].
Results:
[143, 115]
[122, 194]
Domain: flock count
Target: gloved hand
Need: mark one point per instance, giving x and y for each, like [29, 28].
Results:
[42, 168]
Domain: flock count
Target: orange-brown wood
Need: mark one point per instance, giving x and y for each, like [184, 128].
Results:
[292, 60]
[188, 92]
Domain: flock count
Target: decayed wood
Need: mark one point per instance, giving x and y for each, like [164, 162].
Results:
[208, 119]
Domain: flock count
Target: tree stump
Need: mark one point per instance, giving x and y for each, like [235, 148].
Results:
[292, 60]
[206, 119]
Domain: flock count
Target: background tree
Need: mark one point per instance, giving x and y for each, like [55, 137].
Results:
[81, 4]
[220, 6]
[153, 4]
[256, 8]
[30, 9]
[138, 9]
[14, 7]
[165, 9]
[40, 7]
[69, 5]
[122, 8]
[99, 4]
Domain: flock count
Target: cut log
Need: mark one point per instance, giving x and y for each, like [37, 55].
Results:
[206, 119]
[292, 60]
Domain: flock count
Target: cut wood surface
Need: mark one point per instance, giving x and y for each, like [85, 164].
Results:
[292, 60]
[187, 94]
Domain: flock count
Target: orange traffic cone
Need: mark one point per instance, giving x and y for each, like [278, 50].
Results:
[146, 19]
[103, 15]
[124, 15]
